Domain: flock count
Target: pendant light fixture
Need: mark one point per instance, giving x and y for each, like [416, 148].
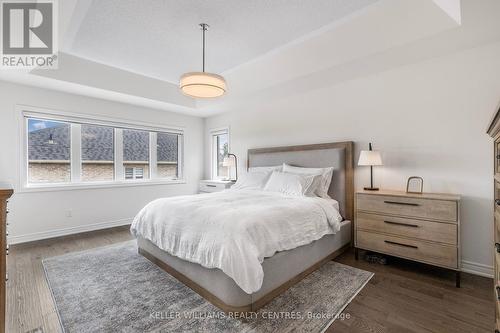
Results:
[202, 84]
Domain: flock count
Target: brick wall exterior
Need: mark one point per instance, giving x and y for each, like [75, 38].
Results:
[98, 172]
[61, 172]
[167, 170]
[49, 172]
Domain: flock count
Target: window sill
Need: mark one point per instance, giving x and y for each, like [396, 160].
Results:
[96, 185]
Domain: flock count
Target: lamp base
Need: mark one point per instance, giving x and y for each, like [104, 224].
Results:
[371, 188]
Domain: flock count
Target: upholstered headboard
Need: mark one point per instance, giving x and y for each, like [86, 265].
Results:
[338, 155]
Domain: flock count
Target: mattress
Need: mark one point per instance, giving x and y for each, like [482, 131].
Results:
[278, 269]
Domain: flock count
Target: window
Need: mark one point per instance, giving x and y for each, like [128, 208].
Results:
[136, 152]
[220, 149]
[98, 161]
[49, 151]
[63, 150]
[134, 173]
[167, 152]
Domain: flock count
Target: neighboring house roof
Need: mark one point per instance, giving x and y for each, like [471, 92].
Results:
[41, 148]
[167, 147]
[97, 144]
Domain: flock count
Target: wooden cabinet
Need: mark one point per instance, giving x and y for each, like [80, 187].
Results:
[421, 227]
[4, 196]
[494, 132]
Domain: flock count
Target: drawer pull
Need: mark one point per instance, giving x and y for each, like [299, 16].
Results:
[401, 244]
[210, 185]
[401, 203]
[404, 224]
[497, 201]
[497, 246]
[498, 292]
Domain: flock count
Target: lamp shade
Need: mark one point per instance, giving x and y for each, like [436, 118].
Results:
[370, 157]
[229, 161]
[202, 85]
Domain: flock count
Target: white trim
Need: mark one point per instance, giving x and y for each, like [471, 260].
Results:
[67, 231]
[181, 140]
[76, 152]
[92, 119]
[119, 169]
[153, 155]
[214, 132]
[96, 185]
[477, 269]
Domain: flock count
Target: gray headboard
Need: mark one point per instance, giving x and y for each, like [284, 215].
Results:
[336, 154]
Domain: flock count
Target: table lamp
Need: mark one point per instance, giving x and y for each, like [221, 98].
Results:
[370, 157]
[231, 161]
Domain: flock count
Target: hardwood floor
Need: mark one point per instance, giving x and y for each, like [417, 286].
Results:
[29, 302]
[401, 297]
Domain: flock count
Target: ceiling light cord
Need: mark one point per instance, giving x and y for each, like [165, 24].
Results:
[204, 28]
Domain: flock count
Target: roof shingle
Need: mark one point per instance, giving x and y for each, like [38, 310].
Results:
[54, 143]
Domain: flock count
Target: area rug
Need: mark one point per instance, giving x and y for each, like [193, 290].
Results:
[114, 289]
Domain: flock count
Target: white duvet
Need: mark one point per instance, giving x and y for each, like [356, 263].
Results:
[235, 230]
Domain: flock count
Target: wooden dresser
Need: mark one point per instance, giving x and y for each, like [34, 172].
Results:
[4, 196]
[494, 132]
[421, 227]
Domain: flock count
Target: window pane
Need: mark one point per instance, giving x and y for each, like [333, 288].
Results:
[222, 151]
[97, 153]
[136, 154]
[167, 155]
[49, 146]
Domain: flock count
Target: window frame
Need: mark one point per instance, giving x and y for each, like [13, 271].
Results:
[24, 112]
[214, 150]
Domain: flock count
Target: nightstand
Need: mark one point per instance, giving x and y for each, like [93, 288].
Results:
[208, 186]
[420, 227]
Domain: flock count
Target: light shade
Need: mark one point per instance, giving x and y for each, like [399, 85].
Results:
[229, 161]
[202, 85]
[370, 157]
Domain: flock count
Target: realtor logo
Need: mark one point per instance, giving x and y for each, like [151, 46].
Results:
[29, 34]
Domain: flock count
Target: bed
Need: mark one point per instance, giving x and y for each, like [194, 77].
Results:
[284, 268]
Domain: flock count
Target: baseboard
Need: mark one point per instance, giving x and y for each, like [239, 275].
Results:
[67, 231]
[477, 269]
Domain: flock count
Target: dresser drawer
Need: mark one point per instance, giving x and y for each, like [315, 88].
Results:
[212, 187]
[414, 207]
[432, 253]
[431, 231]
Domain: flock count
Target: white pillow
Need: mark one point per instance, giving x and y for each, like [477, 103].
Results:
[289, 183]
[252, 180]
[266, 169]
[255, 178]
[321, 184]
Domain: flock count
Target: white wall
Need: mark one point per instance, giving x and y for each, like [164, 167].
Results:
[44, 214]
[429, 119]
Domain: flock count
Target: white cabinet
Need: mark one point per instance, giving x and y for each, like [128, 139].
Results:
[208, 186]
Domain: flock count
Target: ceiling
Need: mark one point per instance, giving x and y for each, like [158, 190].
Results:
[134, 51]
[161, 39]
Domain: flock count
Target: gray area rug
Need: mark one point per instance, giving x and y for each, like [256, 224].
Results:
[114, 289]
